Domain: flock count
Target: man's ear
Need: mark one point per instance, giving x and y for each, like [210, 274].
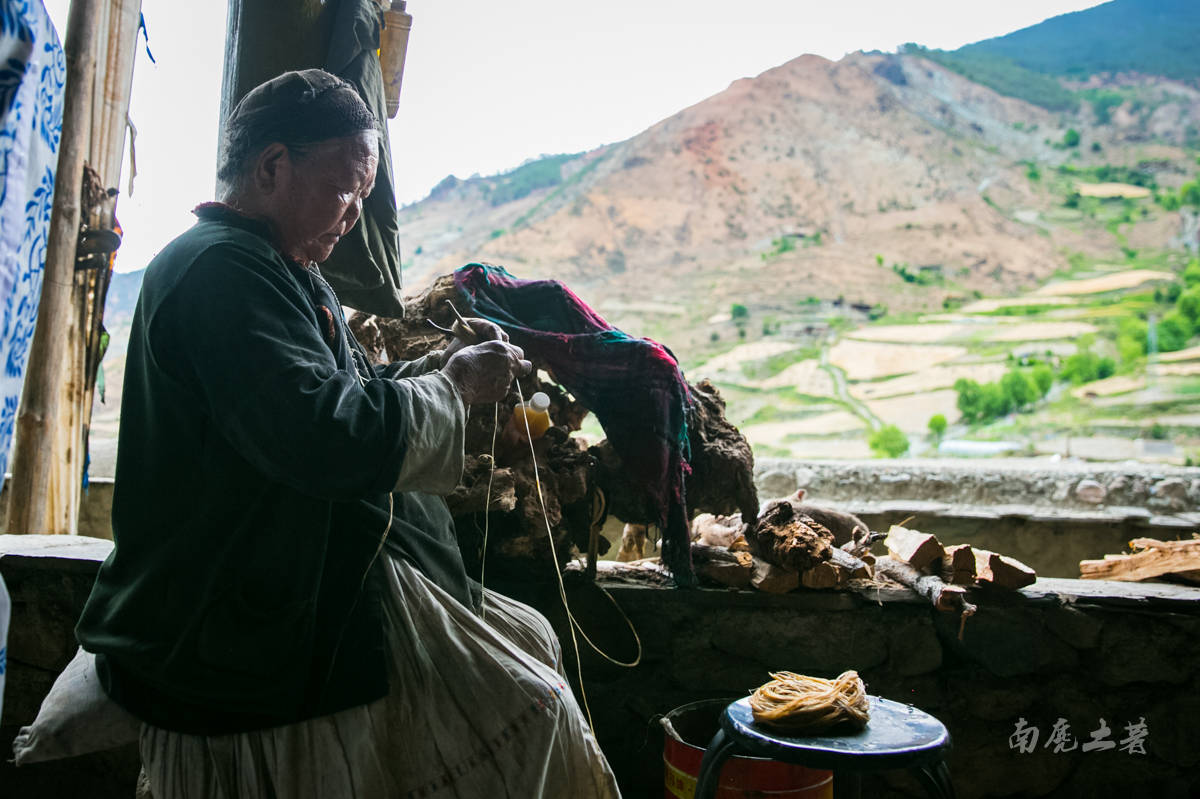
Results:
[267, 167]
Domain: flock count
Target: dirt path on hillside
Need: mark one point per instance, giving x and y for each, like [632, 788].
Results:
[842, 393]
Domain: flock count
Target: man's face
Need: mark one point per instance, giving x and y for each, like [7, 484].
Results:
[319, 194]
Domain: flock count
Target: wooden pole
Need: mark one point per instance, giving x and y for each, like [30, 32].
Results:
[43, 379]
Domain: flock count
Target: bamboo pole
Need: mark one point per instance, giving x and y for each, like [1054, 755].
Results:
[43, 380]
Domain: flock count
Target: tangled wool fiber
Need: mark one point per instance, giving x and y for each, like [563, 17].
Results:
[797, 703]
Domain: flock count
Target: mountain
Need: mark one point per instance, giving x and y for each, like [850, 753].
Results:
[1156, 37]
[880, 180]
[1113, 40]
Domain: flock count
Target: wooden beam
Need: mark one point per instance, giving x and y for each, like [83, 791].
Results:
[35, 426]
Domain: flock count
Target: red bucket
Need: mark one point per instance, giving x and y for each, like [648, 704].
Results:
[690, 727]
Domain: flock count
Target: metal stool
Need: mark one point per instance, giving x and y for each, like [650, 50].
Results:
[897, 736]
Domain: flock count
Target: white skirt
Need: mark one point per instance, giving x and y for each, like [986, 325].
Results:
[476, 711]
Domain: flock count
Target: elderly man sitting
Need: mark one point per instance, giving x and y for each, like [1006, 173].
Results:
[286, 608]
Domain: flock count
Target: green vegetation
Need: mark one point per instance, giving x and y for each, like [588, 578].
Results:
[1002, 75]
[1086, 366]
[738, 311]
[1107, 173]
[1156, 37]
[779, 246]
[571, 181]
[937, 427]
[1103, 102]
[1173, 332]
[1018, 390]
[918, 277]
[528, 178]
[1070, 138]
[888, 441]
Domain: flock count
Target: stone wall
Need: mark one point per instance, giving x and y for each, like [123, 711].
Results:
[1048, 515]
[1076, 650]
[988, 482]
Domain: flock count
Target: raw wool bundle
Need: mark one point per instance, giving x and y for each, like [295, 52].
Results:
[800, 704]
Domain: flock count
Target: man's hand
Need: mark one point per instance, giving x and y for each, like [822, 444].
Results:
[483, 330]
[483, 372]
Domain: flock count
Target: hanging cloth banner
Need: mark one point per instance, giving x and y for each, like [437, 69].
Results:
[32, 74]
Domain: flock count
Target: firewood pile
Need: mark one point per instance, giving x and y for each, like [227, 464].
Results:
[792, 544]
[1174, 561]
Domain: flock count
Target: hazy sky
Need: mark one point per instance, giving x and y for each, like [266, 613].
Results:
[489, 84]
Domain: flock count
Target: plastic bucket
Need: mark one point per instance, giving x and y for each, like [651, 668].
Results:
[688, 730]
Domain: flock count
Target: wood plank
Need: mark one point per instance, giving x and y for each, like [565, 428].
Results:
[1144, 565]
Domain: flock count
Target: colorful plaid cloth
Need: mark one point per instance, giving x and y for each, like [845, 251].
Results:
[633, 385]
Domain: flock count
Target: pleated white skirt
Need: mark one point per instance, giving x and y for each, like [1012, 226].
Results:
[476, 711]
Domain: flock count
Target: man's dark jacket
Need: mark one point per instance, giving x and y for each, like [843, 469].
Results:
[256, 455]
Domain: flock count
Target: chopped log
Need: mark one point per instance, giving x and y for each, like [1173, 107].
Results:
[824, 575]
[852, 566]
[734, 569]
[789, 539]
[913, 547]
[941, 596]
[773, 579]
[1157, 558]
[1000, 571]
[958, 565]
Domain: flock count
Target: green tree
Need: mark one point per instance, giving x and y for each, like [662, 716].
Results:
[1071, 138]
[1191, 275]
[1081, 367]
[738, 311]
[970, 399]
[1173, 332]
[1189, 193]
[1189, 304]
[1132, 338]
[1043, 378]
[937, 427]
[996, 402]
[1018, 389]
[888, 441]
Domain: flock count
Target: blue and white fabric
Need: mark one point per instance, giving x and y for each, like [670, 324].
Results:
[32, 74]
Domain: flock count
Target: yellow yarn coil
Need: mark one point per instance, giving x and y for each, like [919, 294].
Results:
[798, 703]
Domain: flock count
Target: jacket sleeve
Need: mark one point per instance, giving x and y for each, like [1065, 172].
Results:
[241, 333]
[421, 366]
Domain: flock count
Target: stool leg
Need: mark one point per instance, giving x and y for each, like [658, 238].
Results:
[936, 780]
[719, 749]
[847, 785]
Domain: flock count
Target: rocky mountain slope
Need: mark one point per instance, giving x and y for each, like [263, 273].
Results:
[799, 183]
